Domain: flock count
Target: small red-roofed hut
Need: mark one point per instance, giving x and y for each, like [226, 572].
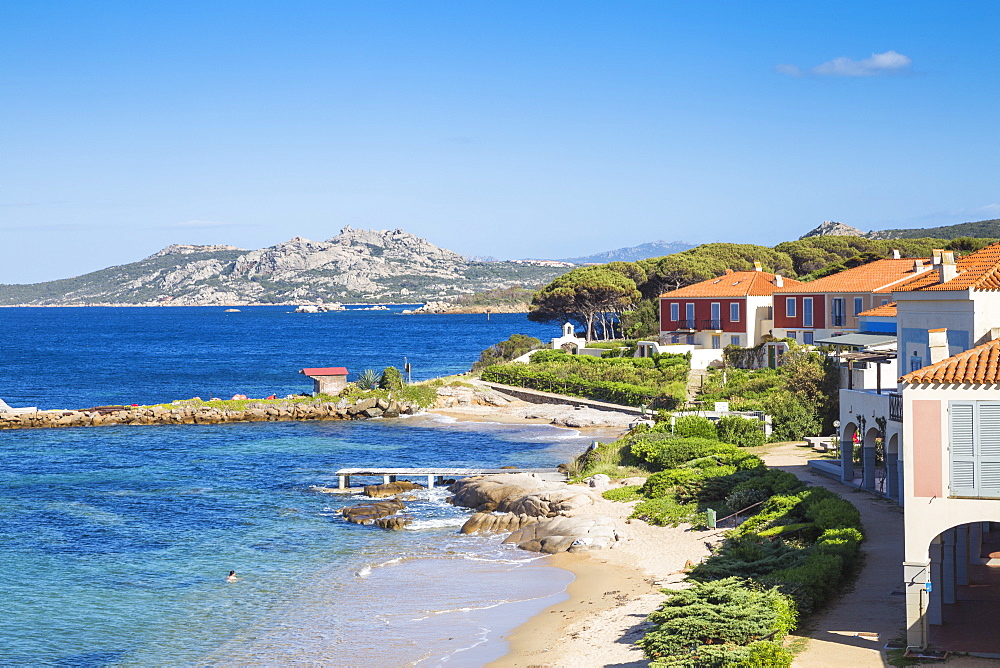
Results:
[327, 380]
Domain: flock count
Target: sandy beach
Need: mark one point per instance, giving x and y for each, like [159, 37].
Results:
[614, 590]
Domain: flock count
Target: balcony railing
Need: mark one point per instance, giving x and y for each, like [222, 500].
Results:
[895, 407]
[711, 324]
[838, 320]
[687, 324]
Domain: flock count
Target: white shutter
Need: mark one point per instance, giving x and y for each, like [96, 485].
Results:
[962, 448]
[988, 440]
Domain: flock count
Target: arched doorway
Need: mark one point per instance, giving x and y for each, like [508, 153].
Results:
[958, 599]
[571, 348]
[893, 469]
[848, 435]
[869, 460]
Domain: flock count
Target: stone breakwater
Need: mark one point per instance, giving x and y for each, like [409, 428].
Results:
[185, 413]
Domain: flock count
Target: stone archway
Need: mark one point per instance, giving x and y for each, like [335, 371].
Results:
[571, 348]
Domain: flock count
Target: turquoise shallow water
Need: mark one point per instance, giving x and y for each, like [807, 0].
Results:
[114, 542]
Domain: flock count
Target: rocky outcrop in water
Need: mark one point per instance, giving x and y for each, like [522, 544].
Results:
[534, 511]
[382, 514]
[391, 489]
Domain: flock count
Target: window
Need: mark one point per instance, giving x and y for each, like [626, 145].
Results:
[837, 316]
[859, 305]
[974, 452]
[790, 307]
[807, 312]
[690, 339]
[716, 316]
[689, 315]
[807, 338]
[734, 340]
[716, 342]
[916, 362]
[676, 338]
[791, 335]
[675, 311]
[734, 312]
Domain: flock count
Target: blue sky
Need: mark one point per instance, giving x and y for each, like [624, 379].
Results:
[513, 129]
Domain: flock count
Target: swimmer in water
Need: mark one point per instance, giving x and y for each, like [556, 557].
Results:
[231, 577]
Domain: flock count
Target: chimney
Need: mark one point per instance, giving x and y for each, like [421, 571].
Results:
[918, 266]
[936, 257]
[937, 341]
[756, 266]
[947, 268]
[729, 271]
[895, 253]
[779, 281]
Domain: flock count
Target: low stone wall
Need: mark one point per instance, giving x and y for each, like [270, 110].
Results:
[539, 397]
[202, 414]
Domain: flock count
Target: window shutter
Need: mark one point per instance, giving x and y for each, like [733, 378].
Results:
[989, 449]
[962, 449]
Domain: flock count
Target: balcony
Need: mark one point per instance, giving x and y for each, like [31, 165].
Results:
[895, 407]
[687, 324]
[711, 324]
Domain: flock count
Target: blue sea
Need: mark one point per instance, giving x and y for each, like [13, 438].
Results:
[115, 541]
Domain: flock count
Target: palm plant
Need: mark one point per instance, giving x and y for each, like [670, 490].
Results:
[368, 380]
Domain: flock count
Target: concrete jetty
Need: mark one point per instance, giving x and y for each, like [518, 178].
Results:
[435, 474]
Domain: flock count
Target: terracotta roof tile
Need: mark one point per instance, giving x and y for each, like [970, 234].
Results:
[886, 311]
[735, 284]
[976, 271]
[877, 276]
[978, 366]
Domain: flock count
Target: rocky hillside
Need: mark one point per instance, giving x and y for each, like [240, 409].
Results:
[354, 266]
[983, 229]
[633, 253]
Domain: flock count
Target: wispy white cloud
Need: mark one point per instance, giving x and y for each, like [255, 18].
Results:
[202, 224]
[889, 62]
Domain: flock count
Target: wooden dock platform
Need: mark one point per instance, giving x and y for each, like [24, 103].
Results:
[434, 474]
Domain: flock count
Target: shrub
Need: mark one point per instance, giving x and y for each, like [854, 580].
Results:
[504, 351]
[663, 483]
[664, 452]
[692, 624]
[626, 493]
[665, 511]
[694, 426]
[367, 380]
[391, 379]
[740, 431]
[746, 557]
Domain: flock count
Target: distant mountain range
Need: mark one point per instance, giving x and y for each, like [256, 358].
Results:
[354, 266]
[983, 229]
[633, 253]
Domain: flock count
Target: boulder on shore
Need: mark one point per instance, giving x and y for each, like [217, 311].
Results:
[565, 534]
[368, 513]
[391, 489]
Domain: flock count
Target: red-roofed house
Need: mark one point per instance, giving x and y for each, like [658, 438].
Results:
[327, 380]
[941, 432]
[733, 309]
[831, 305]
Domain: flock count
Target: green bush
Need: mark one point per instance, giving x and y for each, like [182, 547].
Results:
[740, 431]
[663, 483]
[665, 511]
[746, 557]
[626, 493]
[391, 379]
[504, 351]
[692, 624]
[663, 452]
[694, 426]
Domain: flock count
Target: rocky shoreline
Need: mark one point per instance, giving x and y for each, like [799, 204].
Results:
[188, 412]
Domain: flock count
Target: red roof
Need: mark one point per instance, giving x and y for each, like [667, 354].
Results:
[978, 271]
[878, 276]
[733, 284]
[977, 366]
[326, 371]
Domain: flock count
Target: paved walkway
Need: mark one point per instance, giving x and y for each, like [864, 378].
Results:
[872, 612]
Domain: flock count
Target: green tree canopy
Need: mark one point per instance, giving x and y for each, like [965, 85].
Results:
[589, 295]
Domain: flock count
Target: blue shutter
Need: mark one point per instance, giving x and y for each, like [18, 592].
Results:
[962, 448]
[989, 449]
